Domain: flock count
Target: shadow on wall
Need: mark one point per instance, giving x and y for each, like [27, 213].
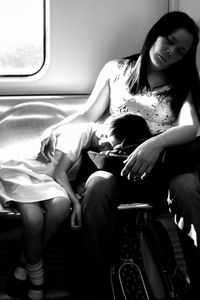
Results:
[198, 50]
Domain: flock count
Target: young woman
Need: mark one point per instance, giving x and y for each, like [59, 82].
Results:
[162, 84]
[33, 186]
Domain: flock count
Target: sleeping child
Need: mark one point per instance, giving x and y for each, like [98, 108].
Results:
[43, 194]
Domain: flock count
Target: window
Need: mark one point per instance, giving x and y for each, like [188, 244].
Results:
[22, 37]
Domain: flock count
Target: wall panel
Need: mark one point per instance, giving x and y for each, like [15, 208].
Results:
[84, 35]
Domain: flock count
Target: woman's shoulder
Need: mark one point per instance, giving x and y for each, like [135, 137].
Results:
[122, 62]
[119, 66]
[111, 65]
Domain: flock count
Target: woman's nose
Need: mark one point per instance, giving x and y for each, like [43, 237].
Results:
[169, 51]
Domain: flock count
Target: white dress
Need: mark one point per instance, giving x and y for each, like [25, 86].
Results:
[30, 180]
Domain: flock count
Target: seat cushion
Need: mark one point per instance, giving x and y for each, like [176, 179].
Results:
[21, 128]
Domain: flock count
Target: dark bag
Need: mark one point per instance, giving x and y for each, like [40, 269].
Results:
[173, 161]
[113, 160]
[150, 264]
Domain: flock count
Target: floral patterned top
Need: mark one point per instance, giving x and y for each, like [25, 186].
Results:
[152, 105]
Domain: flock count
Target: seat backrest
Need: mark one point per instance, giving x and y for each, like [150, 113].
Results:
[21, 128]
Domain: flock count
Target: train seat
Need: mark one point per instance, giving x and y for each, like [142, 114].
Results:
[21, 127]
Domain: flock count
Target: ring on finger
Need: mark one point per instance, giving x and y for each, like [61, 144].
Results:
[143, 175]
[135, 178]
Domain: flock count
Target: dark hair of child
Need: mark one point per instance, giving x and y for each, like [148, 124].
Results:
[129, 128]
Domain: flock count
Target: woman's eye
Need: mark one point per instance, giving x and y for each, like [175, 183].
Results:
[169, 40]
[181, 52]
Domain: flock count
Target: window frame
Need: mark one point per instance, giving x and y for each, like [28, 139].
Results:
[28, 75]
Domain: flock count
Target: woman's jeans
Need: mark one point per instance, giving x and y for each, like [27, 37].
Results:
[104, 192]
[184, 204]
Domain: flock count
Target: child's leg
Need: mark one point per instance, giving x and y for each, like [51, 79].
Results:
[20, 272]
[57, 211]
[17, 284]
[33, 221]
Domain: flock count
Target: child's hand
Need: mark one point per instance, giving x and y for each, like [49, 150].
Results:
[47, 147]
[80, 190]
[76, 216]
[78, 196]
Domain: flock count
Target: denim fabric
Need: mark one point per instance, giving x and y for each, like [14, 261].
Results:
[184, 204]
[104, 192]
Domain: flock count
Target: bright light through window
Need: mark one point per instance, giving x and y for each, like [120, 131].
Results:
[22, 37]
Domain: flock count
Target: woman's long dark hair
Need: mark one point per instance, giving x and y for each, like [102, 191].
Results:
[182, 76]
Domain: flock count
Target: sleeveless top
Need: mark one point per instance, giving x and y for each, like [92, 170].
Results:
[152, 105]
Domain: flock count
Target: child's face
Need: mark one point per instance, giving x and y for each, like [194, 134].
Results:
[107, 142]
[104, 141]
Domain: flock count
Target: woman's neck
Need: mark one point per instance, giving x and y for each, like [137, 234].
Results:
[155, 78]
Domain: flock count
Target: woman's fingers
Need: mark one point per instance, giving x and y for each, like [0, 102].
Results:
[129, 163]
[142, 173]
[134, 165]
[136, 169]
[141, 161]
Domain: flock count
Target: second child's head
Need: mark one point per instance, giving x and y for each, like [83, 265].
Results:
[123, 129]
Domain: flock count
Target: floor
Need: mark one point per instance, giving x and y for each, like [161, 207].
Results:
[58, 264]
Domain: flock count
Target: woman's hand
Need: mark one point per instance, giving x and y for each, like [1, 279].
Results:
[48, 146]
[141, 161]
[76, 216]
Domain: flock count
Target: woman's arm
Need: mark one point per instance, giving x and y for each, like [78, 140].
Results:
[143, 159]
[99, 99]
[93, 109]
[60, 175]
[185, 131]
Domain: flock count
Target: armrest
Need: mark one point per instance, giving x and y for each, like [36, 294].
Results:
[134, 206]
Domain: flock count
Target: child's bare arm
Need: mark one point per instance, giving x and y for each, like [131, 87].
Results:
[61, 176]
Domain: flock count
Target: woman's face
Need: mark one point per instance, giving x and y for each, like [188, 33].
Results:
[168, 50]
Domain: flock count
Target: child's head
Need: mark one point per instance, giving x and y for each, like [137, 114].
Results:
[124, 128]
